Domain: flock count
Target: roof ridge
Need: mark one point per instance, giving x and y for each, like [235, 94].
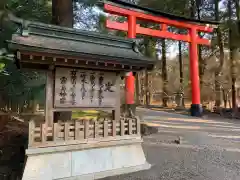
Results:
[78, 31]
[25, 24]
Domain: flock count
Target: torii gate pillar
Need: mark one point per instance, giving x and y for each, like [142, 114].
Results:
[196, 108]
[130, 79]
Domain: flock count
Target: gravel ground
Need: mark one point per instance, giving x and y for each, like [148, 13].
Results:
[179, 162]
[209, 150]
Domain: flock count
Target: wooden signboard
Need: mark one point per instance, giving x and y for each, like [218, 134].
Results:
[85, 88]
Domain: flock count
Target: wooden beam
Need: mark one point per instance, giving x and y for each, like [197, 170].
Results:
[125, 12]
[59, 146]
[49, 98]
[31, 132]
[73, 64]
[156, 33]
[118, 101]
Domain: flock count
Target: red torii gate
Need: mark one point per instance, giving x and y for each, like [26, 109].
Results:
[134, 13]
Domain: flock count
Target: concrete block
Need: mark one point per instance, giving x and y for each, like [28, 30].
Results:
[85, 164]
[48, 166]
[93, 160]
[126, 156]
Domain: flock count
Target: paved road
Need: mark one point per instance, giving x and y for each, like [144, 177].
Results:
[195, 131]
[209, 149]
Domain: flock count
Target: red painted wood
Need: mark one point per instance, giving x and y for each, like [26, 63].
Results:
[116, 25]
[132, 23]
[130, 88]
[130, 79]
[164, 27]
[139, 15]
[194, 67]
[157, 33]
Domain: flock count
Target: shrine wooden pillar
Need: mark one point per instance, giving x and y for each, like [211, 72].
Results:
[117, 111]
[49, 98]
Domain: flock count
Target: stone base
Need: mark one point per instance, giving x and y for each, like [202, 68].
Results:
[129, 109]
[86, 164]
[196, 110]
[114, 172]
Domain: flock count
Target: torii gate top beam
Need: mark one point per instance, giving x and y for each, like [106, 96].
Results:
[134, 13]
[131, 6]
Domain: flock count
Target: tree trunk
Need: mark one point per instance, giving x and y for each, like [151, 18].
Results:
[164, 73]
[218, 99]
[193, 9]
[224, 98]
[180, 59]
[233, 56]
[221, 58]
[147, 94]
[137, 85]
[62, 13]
[142, 84]
[150, 51]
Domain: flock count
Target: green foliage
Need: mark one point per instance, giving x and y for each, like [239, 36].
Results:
[179, 7]
[17, 85]
[39, 10]
[20, 85]
[2, 65]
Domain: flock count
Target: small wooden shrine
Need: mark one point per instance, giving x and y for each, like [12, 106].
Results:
[84, 71]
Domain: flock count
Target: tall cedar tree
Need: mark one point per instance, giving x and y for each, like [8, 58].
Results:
[62, 12]
[221, 57]
[62, 15]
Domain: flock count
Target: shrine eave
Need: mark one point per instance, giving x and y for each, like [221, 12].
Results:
[39, 58]
[145, 10]
[47, 45]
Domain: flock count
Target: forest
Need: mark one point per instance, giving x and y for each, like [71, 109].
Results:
[22, 90]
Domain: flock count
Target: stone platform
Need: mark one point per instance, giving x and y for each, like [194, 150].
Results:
[80, 162]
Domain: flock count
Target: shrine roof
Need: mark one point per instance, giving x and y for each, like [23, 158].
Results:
[38, 39]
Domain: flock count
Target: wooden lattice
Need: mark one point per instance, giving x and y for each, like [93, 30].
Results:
[81, 130]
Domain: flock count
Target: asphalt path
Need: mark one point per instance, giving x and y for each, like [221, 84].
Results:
[209, 149]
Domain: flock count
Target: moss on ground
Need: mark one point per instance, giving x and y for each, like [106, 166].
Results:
[90, 114]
